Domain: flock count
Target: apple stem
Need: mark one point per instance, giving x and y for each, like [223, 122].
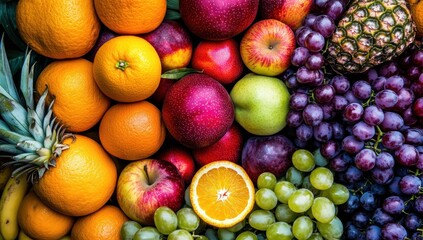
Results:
[122, 64]
[146, 173]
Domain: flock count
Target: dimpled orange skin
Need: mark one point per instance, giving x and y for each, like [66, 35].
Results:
[58, 29]
[82, 181]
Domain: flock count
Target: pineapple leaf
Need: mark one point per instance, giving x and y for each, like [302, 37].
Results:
[29, 145]
[14, 114]
[35, 126]
[10, 148]
[6, 78]
[3, 125]
[8, 21]
[27, 81]
[12, 137]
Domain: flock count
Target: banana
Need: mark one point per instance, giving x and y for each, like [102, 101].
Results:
[23, 236]
[10, 200]
[5, 173]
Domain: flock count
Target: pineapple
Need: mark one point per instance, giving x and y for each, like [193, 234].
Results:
[30, 136]
[370, 33]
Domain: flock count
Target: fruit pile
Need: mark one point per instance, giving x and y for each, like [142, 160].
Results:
[179, 119]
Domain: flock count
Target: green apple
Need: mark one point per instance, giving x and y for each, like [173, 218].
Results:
[261, 104]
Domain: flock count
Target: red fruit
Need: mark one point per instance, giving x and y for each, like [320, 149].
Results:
[181, 157]
[158, 96]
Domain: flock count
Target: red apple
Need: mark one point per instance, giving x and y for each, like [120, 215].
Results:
[217, 19]
[105, 35]
[173, 44]
[179, 156]
[219, 59]
[229, 148]
[290, 12]
[267, 47]
[158, 95]
[145, 185]
[197, 110]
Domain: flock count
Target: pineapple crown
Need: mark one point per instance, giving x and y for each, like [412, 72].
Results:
[30, 135]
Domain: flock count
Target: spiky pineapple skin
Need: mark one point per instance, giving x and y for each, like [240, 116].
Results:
[370, 33]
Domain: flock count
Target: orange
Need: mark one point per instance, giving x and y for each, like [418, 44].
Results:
[78, 102]
[131, 16]
[38, 221]
[416, 7]
[58, 28]
[222, 194]
[102, 224]
[82, 181]
[132, 131]
[127, 68]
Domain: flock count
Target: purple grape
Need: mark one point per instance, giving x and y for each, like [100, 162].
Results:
[418, 107]
[334, 9]
[337, 131]
[382, 176]
[309, 20]
[417, 236]
[315, 61]
[339, 103]
[418, 204]
[393, 140]
[393, 186]
[324, 93]
[353, 174]
[393, 231]
[409, 117]
[301, 34]
[306, 76]
[388, 69]
[360, 218]
[323, 132]
[319, 4]
[291, 82]
[363, 131]
[319, 78]
[378, 189]
[393, 205]
[352, 145]
[417, 58]
[298, 101]
[338, 164]
[385, 160]
[373, 115]
[314, 42]
[392, 121]
[371, 75]
[365, 160]
[379, 84]
[410, 184]
[340, 83]
[294, 118]
[352, 204]
[407, 155]
[324, 25]
[413, 72]
[419, 164]
[405, 99]
[353, 112]
[381, 218]
[394, 83]
[368, 201]
[330, 149]
[304, 132]
[414, 136]
[412, 222]
[300, 56]
[386, 99]
[361, 89]
[373, 232]
[349, 95]
[353, 232]
[328, 111]
[313, 114]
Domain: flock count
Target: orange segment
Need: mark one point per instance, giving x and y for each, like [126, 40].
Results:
[222, 194]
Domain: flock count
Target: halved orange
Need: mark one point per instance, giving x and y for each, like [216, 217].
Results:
[222, 194]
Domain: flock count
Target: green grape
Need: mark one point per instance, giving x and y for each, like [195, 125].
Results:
[211, 234]
[283, 190]
[186, 197]
[319, 159]
[315, 236]
[303, 160]
[294, 176]
[321, 178]
[279, 231]
[331, 230]
[147, 233]
[261, 219]
[128, 230]
[201, 237]
[266, 199]
[323, 209]
[180, 234]
[224, 234]
[307, 184]
[266, 180]
[301, 200]
[284, 214]
[247, 235]
[337, 193]
[302, 228]
[165, 220]
[237, 227]
[187, 219]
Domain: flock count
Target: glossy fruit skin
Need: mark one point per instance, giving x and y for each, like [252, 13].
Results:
[219, 59]
[145, 185]
[267, 154]
[228, 147]
[212, 20]
[197, 110]
[290, 12]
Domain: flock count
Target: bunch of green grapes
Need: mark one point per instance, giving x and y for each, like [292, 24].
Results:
[182, 225]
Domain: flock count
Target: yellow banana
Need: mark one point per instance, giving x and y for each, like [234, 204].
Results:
[10, 200]
[5, 173]
[23, 236]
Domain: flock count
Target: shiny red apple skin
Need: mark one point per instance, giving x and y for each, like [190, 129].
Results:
[229, 147]
[197, 110]
[145, 185]
[267, 47]
[105, 35]
[219, 59]
[179, 156]
[173, 43]
[218, 19]
[290, 12]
